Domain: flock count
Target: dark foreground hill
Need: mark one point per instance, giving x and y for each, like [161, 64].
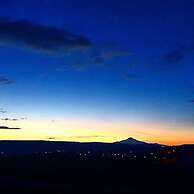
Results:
[58, 173]
[97, 168]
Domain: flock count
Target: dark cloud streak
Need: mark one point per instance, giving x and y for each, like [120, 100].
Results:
[5, 81]
[178, 54]
[9, 128]
[40, 37]
[13, 119]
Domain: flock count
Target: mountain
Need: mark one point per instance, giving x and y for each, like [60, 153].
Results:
[29, 147]
[132, 141]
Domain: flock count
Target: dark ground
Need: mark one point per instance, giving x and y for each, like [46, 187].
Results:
[58, 174]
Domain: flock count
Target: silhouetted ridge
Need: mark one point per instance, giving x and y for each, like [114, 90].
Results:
[131, 140]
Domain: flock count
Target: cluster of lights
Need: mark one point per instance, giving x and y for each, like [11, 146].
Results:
[130, 154]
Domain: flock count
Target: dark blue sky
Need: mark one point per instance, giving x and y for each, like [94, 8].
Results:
[120, 62]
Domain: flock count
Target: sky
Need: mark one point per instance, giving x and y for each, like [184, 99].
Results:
[93, 70]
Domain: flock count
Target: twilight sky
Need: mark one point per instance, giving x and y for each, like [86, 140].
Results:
[97, 70]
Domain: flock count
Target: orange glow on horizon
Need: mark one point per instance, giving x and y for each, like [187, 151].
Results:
[97, 131]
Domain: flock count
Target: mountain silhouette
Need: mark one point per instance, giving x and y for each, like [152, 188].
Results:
[133, 141]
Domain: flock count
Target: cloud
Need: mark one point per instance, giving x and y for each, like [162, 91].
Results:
[76, 137]
[5, 81]
[51, 138]
[9, 128]
[191, 101]
[13, 119]
[23, 118]
[2, 111]
[175, 56]
[178, 54]
[40, 37]
[103, 55]
[87, 136]
[115, 53]
[9, 119]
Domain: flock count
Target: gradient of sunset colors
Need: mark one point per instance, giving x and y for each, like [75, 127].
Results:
[97, 71]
